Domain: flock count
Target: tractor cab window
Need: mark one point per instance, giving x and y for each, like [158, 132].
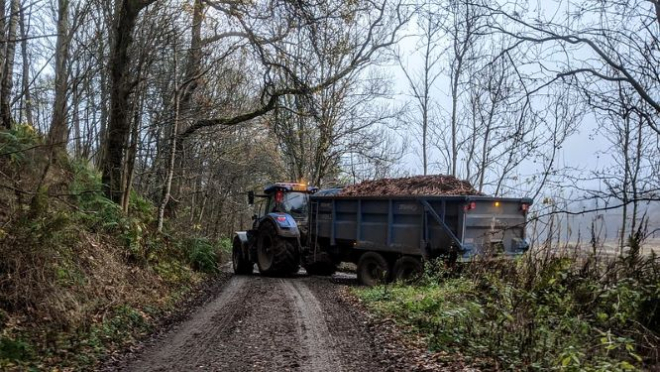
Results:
[262, 206]
[293, 203]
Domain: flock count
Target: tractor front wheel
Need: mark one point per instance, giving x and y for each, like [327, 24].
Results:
[241, 264]
[276, 256]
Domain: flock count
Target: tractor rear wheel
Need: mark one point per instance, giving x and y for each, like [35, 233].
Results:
[241, 264]
[407, 269]
[276, 256]
[372, 269]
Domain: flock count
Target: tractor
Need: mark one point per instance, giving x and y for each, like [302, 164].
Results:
[277, 240]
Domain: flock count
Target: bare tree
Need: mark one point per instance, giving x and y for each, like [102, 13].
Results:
[9, 46]
[126, 16]
[600, 43]
[59, 129]
[27, 96]
[463, 29]
[421, 82]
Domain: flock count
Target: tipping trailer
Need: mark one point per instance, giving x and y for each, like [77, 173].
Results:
[389, 236]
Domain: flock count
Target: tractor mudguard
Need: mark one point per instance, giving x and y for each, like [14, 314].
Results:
[242, 237]
[285, 224]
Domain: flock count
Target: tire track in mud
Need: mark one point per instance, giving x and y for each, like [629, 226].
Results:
[259, 323]
[190, 340]
[312, 329]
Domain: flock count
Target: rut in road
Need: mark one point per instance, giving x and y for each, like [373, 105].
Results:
[312, 329]
[266, 324]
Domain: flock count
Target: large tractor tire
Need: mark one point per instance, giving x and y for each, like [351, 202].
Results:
[321, 268]
[241, 263]
[407, 269]
[276, 256]
[372, 269]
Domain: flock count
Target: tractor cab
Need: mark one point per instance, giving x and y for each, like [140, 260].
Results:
[284, 198]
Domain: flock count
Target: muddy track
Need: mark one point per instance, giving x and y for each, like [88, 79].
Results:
[258, 323]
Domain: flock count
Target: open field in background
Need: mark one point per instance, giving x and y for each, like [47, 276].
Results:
[607, 249]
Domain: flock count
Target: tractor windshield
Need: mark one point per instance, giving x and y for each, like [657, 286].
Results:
[293, 203]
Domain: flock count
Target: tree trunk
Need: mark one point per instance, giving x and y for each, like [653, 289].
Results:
[59, 129]
[3, 47]
[130, 159]
[190, 84]
[170, 164]
[75, 118]
[425, 106]
[626, 181]
[8, 68]
[27, 95]
[120, 89]
[104, 114]
[635, 176]
[454, 114]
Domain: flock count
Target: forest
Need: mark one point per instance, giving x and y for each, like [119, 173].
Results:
[131, 131]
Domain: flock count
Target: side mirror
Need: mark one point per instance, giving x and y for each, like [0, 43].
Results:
[251, 197]
[254, 217]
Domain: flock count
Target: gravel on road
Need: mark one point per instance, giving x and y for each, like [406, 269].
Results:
[301, 323]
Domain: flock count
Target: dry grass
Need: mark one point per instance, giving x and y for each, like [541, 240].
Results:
[75, 283]
[77, 278]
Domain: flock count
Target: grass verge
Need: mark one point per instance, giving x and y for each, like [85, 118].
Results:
[541, 312]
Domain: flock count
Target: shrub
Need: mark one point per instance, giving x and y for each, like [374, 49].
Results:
[141, 209]
[226, 247]
[551, 313]
[14, 350]
[15, 142]
[202, 255]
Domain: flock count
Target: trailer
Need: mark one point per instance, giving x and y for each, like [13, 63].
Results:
[388, 237]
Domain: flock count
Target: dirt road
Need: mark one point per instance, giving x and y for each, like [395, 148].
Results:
[258, 323]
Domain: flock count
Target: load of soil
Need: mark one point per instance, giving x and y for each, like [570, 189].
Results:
[434, 185]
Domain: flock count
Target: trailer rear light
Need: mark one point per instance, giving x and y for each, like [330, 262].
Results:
[470, 206]
[524, 207]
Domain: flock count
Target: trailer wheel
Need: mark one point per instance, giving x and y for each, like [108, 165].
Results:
[408, 269]
[372, 269]
[275, 256]
[241, 264]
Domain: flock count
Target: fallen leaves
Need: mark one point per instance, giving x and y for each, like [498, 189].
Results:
[406, 351]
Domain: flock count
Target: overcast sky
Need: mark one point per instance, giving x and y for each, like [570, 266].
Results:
[586, 150]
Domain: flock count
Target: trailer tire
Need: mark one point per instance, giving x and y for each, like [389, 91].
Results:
[407, 269]
[372, 269]
[276, 256]
[240, 263]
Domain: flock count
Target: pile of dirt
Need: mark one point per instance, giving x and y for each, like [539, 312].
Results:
[417, 185]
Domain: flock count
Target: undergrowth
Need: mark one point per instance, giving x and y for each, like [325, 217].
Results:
[78, 276]
[541, 312]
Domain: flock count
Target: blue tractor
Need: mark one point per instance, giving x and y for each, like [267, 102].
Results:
[275, 242]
